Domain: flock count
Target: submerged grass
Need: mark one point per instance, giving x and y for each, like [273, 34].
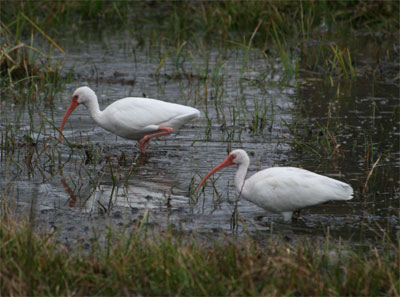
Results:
[140, 263]
[315, 137]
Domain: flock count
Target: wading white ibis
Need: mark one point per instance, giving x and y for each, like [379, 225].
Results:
[132, 117]
[282, 189]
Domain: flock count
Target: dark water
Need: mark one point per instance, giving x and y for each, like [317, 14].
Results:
[101, 180]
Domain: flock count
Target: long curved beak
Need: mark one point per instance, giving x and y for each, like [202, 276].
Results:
[227, 162]
[71, 108]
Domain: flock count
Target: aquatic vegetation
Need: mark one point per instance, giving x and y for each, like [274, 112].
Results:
[314, 137]
[331, 61]
[262, 117]
[212, 17]
[22, 63]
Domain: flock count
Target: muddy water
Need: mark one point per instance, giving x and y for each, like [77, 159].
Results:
[100, 181]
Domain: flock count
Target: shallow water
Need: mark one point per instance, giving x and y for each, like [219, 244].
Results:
[100, 180]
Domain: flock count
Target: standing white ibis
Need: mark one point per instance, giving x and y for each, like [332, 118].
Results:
[282, 189]
[132, 117]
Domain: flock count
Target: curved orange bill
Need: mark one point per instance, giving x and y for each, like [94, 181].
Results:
[71, 107]
[227, 162]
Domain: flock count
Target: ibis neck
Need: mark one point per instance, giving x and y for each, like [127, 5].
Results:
[94, 110]
[240, 177]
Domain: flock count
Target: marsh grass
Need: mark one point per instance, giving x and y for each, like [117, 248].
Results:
[284, 53]
[223, 17]
[329, 60]
[141, 263]
[23, 62]
[183, 26]
[262, 117]
[314, 136]
[32, 151]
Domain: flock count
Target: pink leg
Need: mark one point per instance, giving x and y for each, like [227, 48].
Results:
[145, 141]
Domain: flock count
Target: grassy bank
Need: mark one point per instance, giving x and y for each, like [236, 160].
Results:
[31, 32]
[165, 264]
[212, 18]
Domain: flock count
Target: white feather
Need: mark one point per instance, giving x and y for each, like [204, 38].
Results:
[283, 189]
[132, 117]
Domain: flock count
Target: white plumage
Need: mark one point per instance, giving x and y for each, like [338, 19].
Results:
[133, 118]
[282, 189]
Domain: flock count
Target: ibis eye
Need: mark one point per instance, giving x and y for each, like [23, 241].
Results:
[76, 97]
[233, 156]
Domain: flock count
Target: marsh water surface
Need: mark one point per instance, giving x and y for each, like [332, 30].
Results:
[345, 129]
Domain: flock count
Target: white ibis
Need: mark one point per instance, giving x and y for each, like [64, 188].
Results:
[132, 117]
[282, 189]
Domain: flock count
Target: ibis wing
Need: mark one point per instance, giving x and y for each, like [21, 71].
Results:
[281, 188]
[134, 117]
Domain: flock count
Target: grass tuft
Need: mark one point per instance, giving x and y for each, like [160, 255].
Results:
[139, 263]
